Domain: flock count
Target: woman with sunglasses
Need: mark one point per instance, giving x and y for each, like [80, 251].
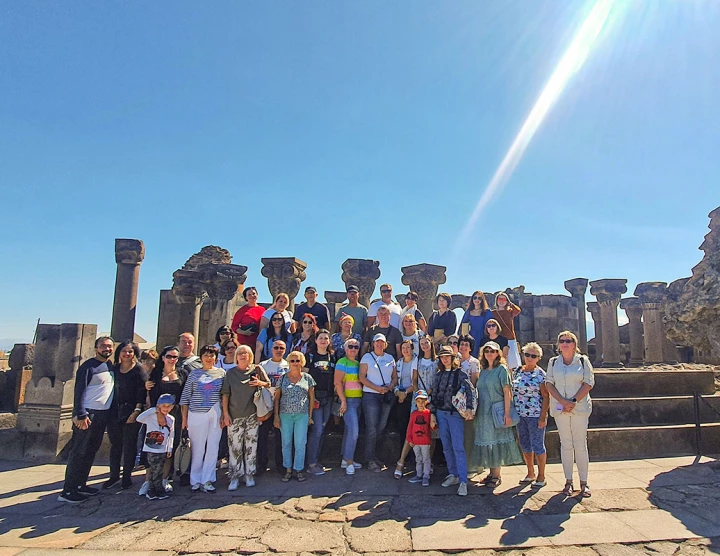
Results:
[166, 378]
[505, 312]
[406, 370]
[280, 305]
[569, 379]
[492, 447]
[339, 339]
[350, 391]
[475, 319]
[532, 402]
[409, 331]
[424, 377]
[223, 333]
[226, 359]
[321, 366]
[246, 322]
[443, 322]
[492, 334]
[294, 403]
[304, 340]
[411, 308]
[449, 380]
[276, 331]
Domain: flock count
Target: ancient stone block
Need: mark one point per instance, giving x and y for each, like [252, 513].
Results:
[21, 356]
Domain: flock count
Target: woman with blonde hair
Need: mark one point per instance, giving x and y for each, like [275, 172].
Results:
[410, 332]
[532, 402]
[569, 379]
[280, 305]
[346, 323]
[492, 446]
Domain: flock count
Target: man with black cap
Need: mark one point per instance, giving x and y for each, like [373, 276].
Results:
[355, 310]
[318, 310]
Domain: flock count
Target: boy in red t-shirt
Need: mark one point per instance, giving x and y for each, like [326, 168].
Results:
[418, 436]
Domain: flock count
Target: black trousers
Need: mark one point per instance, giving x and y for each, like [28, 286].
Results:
[84, 446]
[123, 447]
[262, 449]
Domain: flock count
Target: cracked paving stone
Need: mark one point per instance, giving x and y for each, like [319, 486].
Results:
[238, 528]
[148, 535]
[378, 536]
[662, 548]
[214, 543]
[314, 504]
[297, 536]
[557, 551]
[618, 500]
[619, 550]
[241, 512]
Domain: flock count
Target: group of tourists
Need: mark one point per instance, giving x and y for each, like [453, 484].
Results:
[282, 375]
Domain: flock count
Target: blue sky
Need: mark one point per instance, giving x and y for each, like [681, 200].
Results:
[333, 130]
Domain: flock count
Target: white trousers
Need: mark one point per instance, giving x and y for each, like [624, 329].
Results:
[513, 358]
[204, 431]
[572, 430]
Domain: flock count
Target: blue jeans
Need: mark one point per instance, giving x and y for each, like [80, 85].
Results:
[294, 426]
[352, 427]
[532, 439]
[321, 415]
[452, 433]
[376, 417]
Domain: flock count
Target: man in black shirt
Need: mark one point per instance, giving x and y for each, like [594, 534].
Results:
[383, 326]
[318, 310]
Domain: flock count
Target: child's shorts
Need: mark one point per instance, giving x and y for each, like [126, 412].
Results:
[532, 439]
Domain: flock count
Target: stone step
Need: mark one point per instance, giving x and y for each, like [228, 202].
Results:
[651, 383]
[642, 442]
[639, 412]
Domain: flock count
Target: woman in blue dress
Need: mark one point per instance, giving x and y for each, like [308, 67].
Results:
[476, 318]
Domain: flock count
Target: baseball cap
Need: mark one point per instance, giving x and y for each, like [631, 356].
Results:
[353, 289]
[166, 398]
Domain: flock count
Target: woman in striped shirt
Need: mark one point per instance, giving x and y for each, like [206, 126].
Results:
[201, 414]
[349, 390]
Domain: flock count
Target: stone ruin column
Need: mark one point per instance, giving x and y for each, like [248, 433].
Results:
[594, 309]
[608, 292]
[577, 288]
[334, 300]
[653, 296]
[459, 301]
[634, 311]
[45, 416]
[21, 361]
[129, 255]
[424, 279]
[362, 273]
[224, 285]
[284, 275]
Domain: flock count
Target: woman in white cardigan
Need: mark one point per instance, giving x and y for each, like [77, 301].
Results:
[569, 380]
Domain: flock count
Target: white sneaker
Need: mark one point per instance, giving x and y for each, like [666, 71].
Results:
[349, 470]
[209, 487]
[167, 486]
[195, 487]
[233, 484]
[344, 465]
[450, 481]
[462, 489]
[249, 481]
[144, 488]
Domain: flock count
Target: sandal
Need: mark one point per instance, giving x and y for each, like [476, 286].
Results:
[527, 480]
[585, 491]
[568, 490]
[494, 482]
[486, 480]
[300, 476]
[398, 470]
[286, 478]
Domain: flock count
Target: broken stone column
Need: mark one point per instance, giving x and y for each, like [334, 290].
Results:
[22, 358]
[424, 279]
[334, 301]
[45, 416]
[577, 288]
[129, 255]
[459, 301]
[653, 296]
[593, 308]
[362, 273]
[634, 311]
[608, 292]
[284, 275]
[208, 277]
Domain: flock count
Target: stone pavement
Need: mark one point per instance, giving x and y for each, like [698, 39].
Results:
[658, 506]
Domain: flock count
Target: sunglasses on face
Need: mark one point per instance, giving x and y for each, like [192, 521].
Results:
[565, 341]
[491, 326]
[411, 298]
[385, 291]
[353, 346]
[477, 298]
[293, 360]
[171, 357]
[307, 322]
[224, 333]
[452, 343]
[488, 350]
[278, 319]
[278, 348]
[531, 355]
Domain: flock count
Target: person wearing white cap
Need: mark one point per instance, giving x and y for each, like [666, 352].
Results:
[378, 376]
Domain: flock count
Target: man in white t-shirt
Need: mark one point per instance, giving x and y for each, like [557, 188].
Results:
[394, 306]
[274, 367]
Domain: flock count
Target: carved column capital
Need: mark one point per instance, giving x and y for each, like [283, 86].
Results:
[424, 278]
[652, 292]
[361, 273]
[608, 291]
[129, 251]
[284, 275]
[633, 307]
[577, 286]
[594, 308]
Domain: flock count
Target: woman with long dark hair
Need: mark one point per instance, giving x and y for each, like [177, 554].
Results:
[321, 366]
[475, 319]
[304, 340]
[123, 428]
[277, 330]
